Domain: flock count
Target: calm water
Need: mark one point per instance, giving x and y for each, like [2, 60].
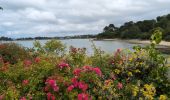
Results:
[107, 46]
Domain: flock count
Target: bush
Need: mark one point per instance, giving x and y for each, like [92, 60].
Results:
[53, 47]
[132, 75]
[11, 52]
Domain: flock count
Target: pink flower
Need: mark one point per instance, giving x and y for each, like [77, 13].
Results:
[83, 86]
[46, 88]
[49, 96]
[23, 98]
[25, 82]
[75, 82]
[51, 82]
[53, 85]
[37, 59]
[119, 85]
[98, 71]
[27, 63]
[62, 65]
[77, 71]
[118, 50]
[55, 88]
[82, 96]
[1, 97]
[53, 97]
[70, 88]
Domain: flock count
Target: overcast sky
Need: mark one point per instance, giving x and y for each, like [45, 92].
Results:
[30, 18]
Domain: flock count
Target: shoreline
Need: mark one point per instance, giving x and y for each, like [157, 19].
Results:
[136, 41]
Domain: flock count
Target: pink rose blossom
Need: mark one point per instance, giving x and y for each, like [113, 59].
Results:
[63, 65]
[27, 63]
[55, 88]
[25, 82]
[37, 59]
[23, 98]
[75, 82]
[53, 85]
[118, 50]
[82, 96]
[49, 96]
[83, 86]
[77, 71]
[51, 82]
[87, 68]
[53, 97]
[98, 71]
[119, 85]
[1, 97]
[70, 88]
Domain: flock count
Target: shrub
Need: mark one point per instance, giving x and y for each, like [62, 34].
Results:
[11, 52]
[132, 75]
[53, 47]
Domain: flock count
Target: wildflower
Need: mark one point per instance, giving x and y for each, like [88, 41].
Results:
[1, 97]
[77, 71]
[162, 97]
[118, 50]
[130, 74]
[82, 96]
[53, 85]
[23, 98]
[49, 96]
[25, 82]
[37, 59]
[135, 90]
[55, 88]
[63, 65]
[46, 88]
[51, 82]
[83, 86]
[75, 82]
[149, 91]
[117, 71]
[53, 97]
[70, 88]
[119, 85]
[98, 71]
[27, 63]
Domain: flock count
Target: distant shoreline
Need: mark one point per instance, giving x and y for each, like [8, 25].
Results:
[135, 41]
[132, 41]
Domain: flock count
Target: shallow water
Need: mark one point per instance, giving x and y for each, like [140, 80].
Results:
[107, 46]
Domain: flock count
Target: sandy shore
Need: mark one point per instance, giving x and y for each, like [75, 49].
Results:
[136, 41]
[163, 43]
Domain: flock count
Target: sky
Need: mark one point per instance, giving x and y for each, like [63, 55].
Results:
[31, 18]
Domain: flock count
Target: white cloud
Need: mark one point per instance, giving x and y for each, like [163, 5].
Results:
[22, 18]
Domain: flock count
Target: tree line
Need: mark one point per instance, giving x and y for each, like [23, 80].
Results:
[138, 30]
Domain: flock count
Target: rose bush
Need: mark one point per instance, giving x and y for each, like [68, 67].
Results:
[125, 74]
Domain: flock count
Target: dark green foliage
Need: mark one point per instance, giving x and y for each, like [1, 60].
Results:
[12, 52]
[6, 38]
[138, 30]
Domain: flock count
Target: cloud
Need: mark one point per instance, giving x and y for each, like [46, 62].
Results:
[22, 18]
